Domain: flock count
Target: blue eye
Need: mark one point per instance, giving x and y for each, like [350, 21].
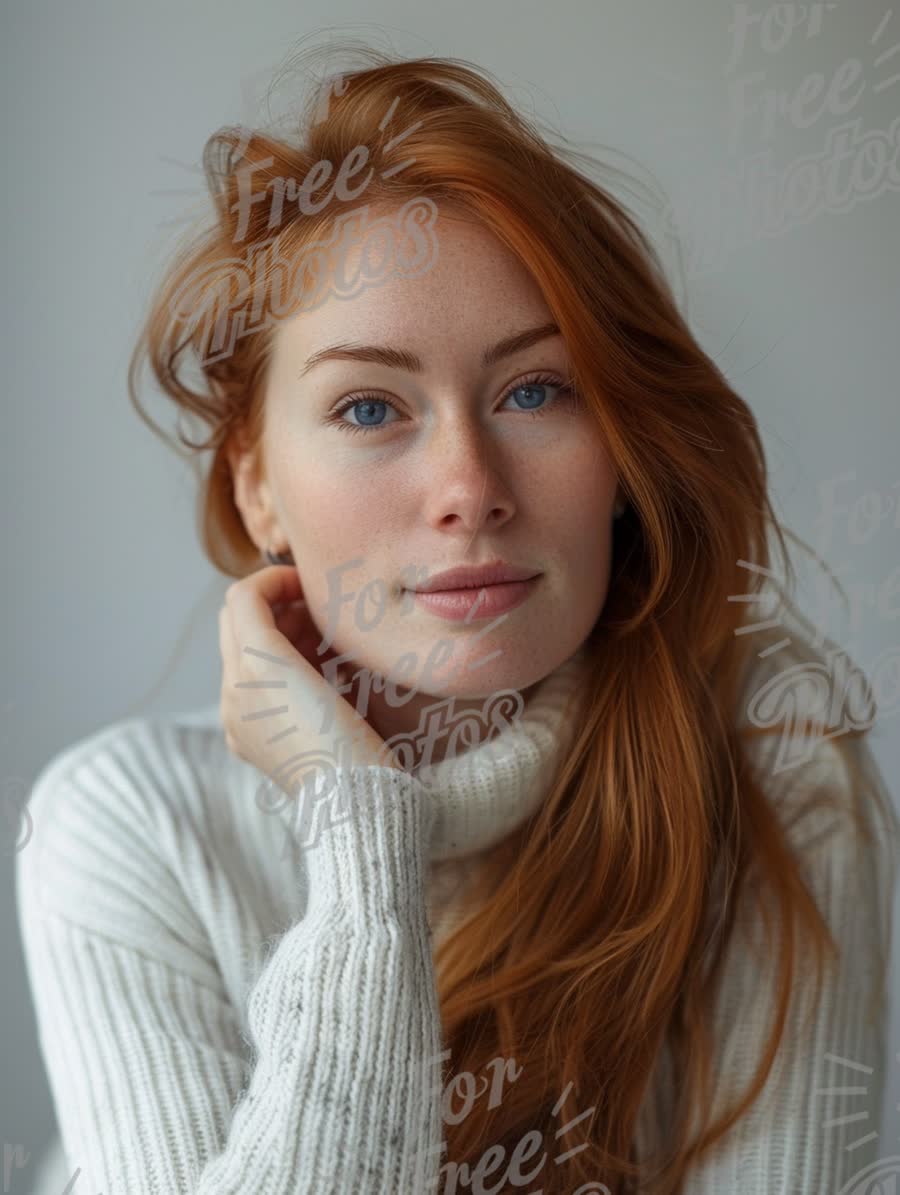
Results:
[369, 403]
[365, 404]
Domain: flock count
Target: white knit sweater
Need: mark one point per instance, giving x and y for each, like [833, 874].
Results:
[223, 1007]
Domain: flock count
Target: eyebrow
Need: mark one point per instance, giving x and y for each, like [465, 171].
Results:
[394, 358]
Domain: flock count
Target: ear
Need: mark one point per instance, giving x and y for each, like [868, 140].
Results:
[252, 493]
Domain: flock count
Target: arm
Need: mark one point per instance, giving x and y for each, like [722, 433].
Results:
[144, 1050]
[816, 1122]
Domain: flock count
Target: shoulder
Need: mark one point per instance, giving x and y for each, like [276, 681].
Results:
[109, 812]
[128, 768]
[791, 680]
[838, 817]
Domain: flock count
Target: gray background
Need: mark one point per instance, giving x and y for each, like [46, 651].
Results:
[110, 608]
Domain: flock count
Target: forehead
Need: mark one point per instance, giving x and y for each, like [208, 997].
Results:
[472, 292]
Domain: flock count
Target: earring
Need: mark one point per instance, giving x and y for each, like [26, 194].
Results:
[279, 557]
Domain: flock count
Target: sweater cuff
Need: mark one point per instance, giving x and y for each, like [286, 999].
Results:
[367, 851]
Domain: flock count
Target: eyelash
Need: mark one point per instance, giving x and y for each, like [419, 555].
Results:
[356, 399]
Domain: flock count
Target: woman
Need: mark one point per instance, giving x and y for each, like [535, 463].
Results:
[550, 882]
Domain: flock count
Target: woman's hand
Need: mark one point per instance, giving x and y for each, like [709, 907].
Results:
[272, 680]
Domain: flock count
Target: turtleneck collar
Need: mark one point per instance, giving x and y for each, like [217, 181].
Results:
[487, 791]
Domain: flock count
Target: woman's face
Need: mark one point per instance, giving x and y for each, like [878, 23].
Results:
[455, 463]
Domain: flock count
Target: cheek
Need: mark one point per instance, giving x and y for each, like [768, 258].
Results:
[578, 494]
[596, 472]
[576, 489]
[336, 512]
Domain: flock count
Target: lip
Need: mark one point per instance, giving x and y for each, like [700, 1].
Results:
[471, 605]
[455, 580]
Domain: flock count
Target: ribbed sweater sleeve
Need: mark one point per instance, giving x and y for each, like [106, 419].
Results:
[154, 1091]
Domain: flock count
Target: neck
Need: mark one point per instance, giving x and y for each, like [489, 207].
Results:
[423, 717]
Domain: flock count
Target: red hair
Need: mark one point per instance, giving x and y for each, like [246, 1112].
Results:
[598, 931]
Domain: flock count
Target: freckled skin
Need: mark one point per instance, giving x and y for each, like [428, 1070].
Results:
[455, 473]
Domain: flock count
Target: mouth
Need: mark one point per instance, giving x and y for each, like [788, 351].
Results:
[470, 604]
[496, 572]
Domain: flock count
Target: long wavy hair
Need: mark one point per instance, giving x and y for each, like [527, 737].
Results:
[595, 935]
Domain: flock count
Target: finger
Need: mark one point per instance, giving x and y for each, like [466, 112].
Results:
[226, 696]
[233, 647]
[278, 584]
[253, 599]
[226, 642]
[292, 620]
[253, 619]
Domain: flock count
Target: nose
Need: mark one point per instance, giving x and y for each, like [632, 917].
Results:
[466, 485]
